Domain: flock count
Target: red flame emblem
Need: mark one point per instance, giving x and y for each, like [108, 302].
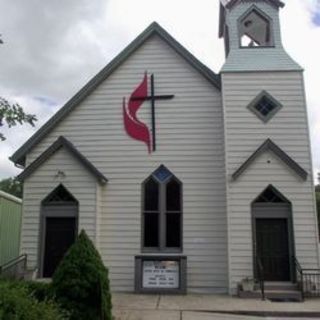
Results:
[133, 126]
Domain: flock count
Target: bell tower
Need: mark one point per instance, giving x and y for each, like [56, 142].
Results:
[266, 141]
[251, 32]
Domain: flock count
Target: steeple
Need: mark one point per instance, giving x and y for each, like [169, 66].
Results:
[251, 32]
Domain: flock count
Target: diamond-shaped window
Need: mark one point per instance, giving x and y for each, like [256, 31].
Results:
[264, 106]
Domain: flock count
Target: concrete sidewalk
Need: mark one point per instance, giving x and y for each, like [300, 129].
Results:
[207, 307]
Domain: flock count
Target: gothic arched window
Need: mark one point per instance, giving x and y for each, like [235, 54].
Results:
[162, 212]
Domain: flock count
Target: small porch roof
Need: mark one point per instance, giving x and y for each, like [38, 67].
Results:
[62, 142]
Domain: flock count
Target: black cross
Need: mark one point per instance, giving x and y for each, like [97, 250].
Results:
[153, 99]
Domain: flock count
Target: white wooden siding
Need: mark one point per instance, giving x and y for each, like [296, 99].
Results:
[81, 184]
[245, 132]
[189, 143]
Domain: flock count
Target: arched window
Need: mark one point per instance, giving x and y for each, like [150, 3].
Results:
[271, 195]
[162, 212]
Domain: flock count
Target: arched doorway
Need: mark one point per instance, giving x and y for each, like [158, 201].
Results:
[273, 235]
[59, 225]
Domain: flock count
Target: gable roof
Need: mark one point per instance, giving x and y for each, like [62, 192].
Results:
[62, 142]
[269, 145]
[229, 4]
[154, 29]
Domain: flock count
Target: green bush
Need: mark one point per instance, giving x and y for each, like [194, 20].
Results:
[16, 303]
[42, 291]
[81, 283]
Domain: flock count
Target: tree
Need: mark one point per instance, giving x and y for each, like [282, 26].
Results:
[13, 114]
[11, 186]
[81, 283]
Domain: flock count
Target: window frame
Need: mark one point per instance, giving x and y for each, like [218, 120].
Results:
[264, 94]
[162, 211]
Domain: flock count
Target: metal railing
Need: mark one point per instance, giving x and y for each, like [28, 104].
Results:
[15, 268]
[260, 276]
[308, 280]
[299, 275]
[311, 282]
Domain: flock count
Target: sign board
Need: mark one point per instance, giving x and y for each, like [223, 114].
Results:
[160, 274]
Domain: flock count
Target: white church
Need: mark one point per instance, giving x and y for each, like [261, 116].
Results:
[184, 179]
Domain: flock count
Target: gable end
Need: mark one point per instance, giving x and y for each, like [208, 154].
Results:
[269, 145]
[59, 143]
[154, 29]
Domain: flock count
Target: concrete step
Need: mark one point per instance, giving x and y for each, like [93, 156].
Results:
[280, 286]
[289, 295]
[277, 291]
[269, 294]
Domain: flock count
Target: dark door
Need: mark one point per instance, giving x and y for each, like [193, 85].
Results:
[60, 235]
[273, 248]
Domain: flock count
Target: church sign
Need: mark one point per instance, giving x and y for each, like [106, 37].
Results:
[135, 128]
[160, 274]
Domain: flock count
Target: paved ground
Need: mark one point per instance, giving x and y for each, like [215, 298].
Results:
[207, 307]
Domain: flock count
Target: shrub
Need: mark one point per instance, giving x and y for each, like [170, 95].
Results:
[17, 304]
[42, 291]
[81, 283]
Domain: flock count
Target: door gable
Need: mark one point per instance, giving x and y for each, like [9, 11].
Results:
[269, 145]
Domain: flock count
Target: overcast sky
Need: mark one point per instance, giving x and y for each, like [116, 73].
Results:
[52, 48]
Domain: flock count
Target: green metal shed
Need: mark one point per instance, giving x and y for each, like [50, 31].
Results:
[10, 226]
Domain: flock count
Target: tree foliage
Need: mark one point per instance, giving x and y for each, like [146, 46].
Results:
[11, 186]
[81, 283]
[12, 115]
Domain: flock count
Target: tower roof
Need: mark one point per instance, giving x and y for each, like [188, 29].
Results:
[228, 4]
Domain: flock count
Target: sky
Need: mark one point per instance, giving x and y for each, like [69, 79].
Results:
[52, 48]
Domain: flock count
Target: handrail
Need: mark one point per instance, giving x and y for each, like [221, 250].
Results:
[299, 271]
[260, 274]
[14, 262]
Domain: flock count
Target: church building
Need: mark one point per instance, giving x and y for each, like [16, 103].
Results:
[184, 179]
